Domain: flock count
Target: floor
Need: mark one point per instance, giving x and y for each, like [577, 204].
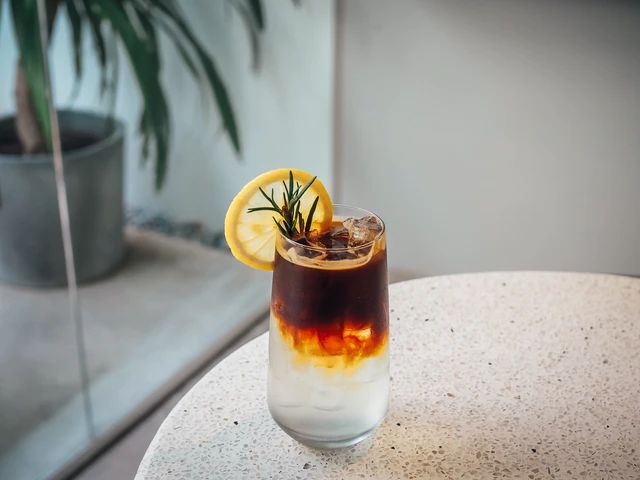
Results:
[170, 305]
[122, 459]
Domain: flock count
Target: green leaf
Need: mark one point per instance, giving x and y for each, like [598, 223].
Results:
[142, 49]
[312, 211]
[270, 199]
[183, 50]
[75, 22]
[92, 12]
[149, 35]
[171, 13]
[293, 221]
[247, 14]
[296, 211]
[280, 227]
[28, 38]
[256, 9]
[290, 183]
[143, 129]
[260, 209]
[304, 189]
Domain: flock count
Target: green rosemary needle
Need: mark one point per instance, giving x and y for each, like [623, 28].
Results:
[292, 223]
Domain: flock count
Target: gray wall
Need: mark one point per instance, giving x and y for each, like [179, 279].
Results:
[495, 134]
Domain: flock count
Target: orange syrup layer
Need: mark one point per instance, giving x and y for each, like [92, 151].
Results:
[342, 346]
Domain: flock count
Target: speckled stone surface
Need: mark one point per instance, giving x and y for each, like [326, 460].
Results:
[503, 375]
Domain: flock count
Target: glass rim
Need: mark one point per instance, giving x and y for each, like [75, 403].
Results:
[368, 244]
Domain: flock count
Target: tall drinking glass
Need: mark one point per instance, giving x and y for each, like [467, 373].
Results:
[328, 382]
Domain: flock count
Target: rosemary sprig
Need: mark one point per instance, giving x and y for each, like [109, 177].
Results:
[292, 222]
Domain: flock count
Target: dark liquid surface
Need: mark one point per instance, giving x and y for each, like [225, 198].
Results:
[343, 310]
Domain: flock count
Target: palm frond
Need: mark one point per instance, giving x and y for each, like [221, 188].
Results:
[251, 14]
[92, 13]
[26, 27]
[142, 51]
[75, 22]
[256, 9]
[173, 15]
[133, 24]
[183, 50]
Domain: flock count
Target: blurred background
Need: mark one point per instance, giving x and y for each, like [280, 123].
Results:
[489, 135]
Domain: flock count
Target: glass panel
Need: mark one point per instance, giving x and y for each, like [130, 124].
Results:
[42, 410]
[159, 293]
[45, 416]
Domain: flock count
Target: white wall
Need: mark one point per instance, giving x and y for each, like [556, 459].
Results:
[494, 134]
[284, 111]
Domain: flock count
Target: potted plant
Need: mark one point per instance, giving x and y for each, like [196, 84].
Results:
[31, 250]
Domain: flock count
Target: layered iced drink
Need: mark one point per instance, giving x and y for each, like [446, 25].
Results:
[329, 333]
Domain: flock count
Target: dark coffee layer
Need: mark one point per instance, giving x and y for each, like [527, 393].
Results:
[341, 311]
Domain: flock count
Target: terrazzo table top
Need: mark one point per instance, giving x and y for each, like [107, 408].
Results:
[503, 375]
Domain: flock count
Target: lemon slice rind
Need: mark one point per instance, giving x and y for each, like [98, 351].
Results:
[252, 236]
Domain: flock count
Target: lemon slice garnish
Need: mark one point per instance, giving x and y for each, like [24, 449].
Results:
[252, 236]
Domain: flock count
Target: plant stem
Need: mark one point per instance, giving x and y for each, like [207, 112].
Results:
[27, 126]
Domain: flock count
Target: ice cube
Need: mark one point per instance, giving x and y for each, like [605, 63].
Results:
[372, 370]
[328, 398]
[339, 236]
[287, 390]
[309, 240]
[335, 237]
[362, 230]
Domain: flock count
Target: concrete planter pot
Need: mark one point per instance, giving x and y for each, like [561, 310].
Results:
[31, 251]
